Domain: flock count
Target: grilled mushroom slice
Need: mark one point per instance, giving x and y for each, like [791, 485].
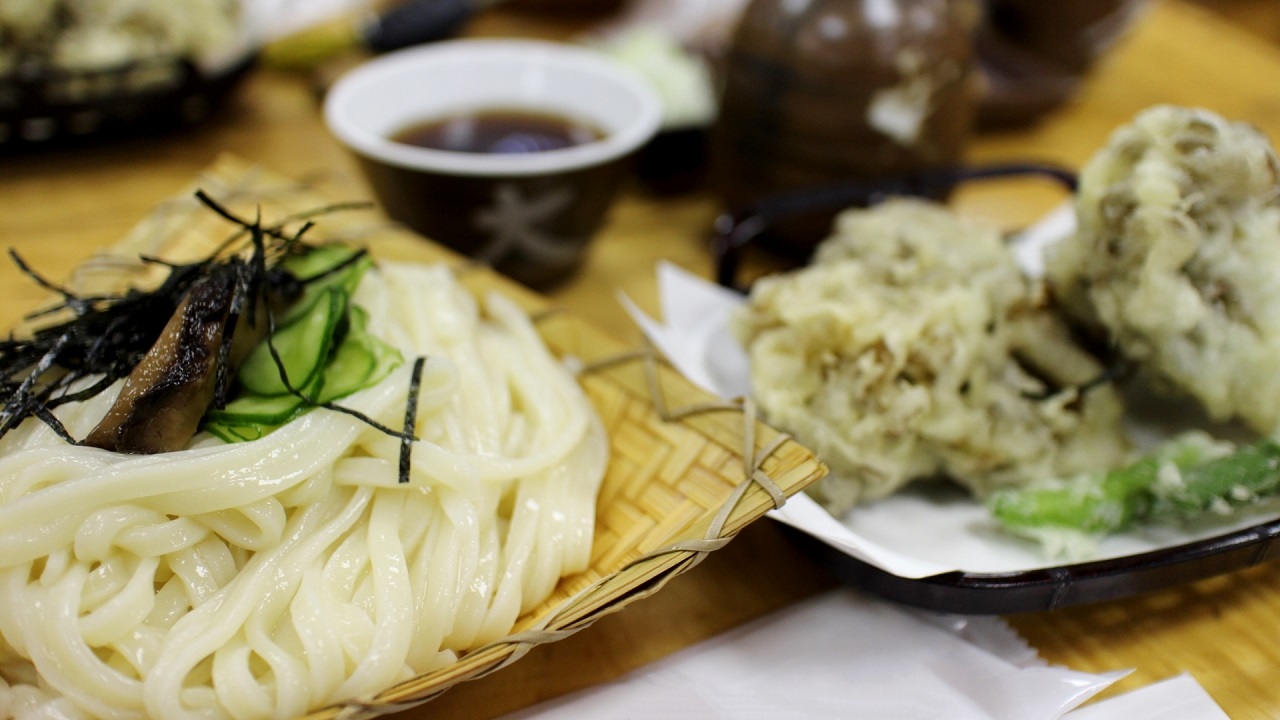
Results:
[166, 394]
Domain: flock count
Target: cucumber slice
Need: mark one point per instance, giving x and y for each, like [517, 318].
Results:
[320, 259]
[361, 361]
[259, 410]
[303, 346]
[358, 318]
[352, 364]
[239, 433]
[317, 262]
[323, 343]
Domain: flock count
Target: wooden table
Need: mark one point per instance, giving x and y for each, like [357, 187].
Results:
[57, 208]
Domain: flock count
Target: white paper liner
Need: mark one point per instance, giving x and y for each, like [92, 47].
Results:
[924, 529]
[842, 655]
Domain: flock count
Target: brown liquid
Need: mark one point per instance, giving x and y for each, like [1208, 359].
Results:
[497, 132]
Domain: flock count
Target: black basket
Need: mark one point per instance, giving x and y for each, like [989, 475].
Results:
[46, 107]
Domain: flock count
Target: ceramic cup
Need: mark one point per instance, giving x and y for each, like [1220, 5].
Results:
[529, 215]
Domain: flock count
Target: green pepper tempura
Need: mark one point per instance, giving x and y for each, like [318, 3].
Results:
[1187, 476]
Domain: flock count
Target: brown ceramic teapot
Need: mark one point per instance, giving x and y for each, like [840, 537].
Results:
[1033, 54]
[819, 91]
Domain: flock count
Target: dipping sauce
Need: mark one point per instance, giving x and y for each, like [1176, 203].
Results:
[499, 132]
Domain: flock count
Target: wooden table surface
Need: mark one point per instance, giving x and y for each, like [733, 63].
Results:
[57, 208]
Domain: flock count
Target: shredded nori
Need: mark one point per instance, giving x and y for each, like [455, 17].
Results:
[410, 419]
[108, 335]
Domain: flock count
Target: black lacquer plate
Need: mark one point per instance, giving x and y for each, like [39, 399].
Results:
[974, 593]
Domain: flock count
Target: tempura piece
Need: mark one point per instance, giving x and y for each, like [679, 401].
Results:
[914, 346]
[1176, 260]
[80, 35]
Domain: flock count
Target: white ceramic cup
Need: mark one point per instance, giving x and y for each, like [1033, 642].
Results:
[530, 215]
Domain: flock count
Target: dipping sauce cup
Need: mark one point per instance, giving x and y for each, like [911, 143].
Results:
[528, 214]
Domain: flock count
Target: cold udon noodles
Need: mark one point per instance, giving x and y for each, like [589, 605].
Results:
[267, 578]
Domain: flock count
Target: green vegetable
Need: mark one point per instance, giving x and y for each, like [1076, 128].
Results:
[323, 268]
[322, 344]
[361, 360]
[1247, 475]
[302, 348]
[1187, 476]
[231, 433]
[249, 409]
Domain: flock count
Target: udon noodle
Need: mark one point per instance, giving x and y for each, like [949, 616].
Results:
[267, 578]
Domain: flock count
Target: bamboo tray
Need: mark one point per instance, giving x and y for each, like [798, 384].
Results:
[686, 471]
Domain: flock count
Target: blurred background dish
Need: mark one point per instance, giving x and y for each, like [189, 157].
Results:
[675, 160]
[592, 7]
[75, 69]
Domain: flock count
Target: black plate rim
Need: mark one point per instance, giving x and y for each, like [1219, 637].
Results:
[1040, 589]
